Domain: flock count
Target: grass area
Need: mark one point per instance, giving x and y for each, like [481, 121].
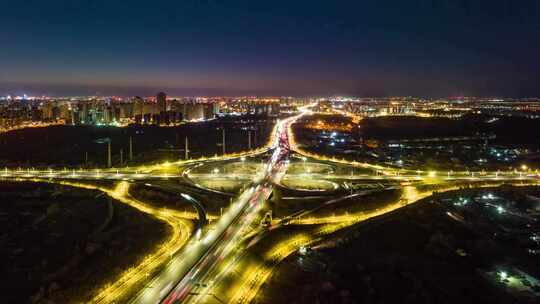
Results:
[222, 184]
[309, 167]
[309, 184]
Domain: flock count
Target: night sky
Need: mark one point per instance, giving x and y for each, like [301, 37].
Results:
[198, 47]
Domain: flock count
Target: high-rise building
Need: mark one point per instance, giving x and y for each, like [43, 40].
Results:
[161, 99]
[138, 103]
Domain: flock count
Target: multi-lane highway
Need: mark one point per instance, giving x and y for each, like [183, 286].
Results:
[189, 270]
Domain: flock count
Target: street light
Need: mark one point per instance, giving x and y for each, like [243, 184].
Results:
[243, 159]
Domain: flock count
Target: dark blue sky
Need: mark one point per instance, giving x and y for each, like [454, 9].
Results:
[295, 47]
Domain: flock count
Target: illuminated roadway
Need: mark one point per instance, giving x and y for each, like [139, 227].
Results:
[181, 231]
[189, 269]
[390, 174]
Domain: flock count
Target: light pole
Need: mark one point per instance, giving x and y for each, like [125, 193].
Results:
[223, 140]
[109, 162]
[525, 169]
[186, 149]
[130, 148]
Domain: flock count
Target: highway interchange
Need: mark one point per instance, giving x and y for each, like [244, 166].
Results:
[209, 265]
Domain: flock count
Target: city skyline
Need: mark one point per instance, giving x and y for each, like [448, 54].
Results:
[241, 48]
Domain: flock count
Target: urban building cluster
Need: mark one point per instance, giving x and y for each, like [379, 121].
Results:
[24, 111]
[448, 107]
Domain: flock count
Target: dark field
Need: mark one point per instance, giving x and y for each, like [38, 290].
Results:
[60, 243]
[415, 255]
[492, 143]
[61, 146]
[509, 130]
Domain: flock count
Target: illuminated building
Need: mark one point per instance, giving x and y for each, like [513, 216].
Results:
[161, 99]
